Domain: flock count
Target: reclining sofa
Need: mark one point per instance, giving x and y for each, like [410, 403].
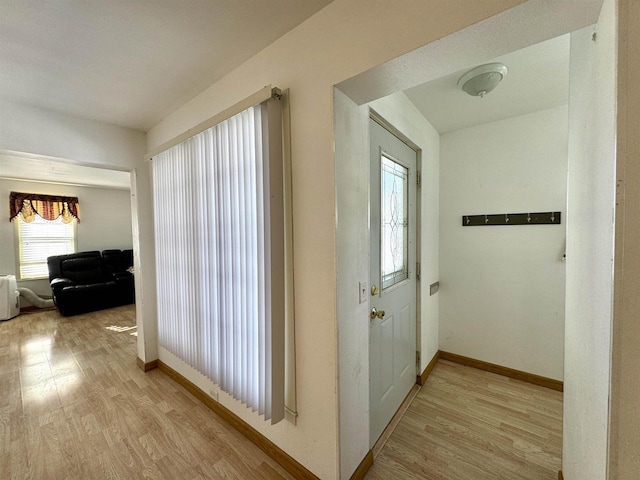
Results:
[88, 281]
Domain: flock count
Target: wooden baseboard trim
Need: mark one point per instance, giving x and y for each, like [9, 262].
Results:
[560, 477]
[287, 462]
[505, 371]
[33, 308]
[145, 367]
[29, 308]
[364, 467]
[422, 379]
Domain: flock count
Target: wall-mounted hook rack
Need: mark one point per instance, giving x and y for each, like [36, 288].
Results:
[539, 218]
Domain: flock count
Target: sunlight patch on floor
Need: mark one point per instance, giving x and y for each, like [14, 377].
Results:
[116, 328]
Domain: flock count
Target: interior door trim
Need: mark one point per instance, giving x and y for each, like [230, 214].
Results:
[379, 119]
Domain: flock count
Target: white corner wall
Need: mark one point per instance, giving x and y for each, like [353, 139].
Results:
[340, 41]
[502, 288]
[352, 266]
[352, 256]
[590, 248]
[105, 216]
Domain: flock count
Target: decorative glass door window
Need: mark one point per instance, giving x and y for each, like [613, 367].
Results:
[394, 195]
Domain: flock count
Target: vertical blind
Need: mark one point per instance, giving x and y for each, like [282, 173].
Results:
[219, 233]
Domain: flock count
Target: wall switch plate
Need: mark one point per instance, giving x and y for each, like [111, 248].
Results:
[363, 291]
[433, 288]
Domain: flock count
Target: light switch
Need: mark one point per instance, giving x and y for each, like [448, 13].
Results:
[363, 291]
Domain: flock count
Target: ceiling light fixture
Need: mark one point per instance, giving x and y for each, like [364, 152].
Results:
[481, 80]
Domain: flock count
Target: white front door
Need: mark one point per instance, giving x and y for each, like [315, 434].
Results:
[392, 336]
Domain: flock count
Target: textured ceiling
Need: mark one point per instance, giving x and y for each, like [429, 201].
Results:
[131, 63]
[538, 79]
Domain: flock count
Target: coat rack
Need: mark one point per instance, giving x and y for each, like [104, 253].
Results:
[539, 218]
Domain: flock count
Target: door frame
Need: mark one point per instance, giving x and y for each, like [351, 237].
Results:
[389, 127]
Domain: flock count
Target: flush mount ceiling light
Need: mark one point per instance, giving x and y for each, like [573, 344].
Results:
[481, 80]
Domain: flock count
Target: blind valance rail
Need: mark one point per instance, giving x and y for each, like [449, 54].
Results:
[260, 96]
[49, 207]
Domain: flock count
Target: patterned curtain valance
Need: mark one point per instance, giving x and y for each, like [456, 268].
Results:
[49, 207]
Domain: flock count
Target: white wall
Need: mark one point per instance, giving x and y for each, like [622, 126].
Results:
[352, 256]
[105, 216]
[352, 266]
[43, 132]
[502, 288]
[591, 188]
[338, 42]
[144, 262]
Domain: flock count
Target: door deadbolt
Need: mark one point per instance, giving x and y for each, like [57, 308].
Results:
[376, 313]
[374, 290]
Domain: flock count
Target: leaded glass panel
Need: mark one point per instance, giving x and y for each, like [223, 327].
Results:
[394, 225]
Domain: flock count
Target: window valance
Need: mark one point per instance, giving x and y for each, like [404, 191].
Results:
[49, 207]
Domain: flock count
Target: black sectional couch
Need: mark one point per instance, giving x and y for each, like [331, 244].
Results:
[88, 281]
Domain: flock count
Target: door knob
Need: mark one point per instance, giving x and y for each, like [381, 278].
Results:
[376, 313]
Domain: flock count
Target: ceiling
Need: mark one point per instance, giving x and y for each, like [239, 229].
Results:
[538, 79]
[42, 169]
[131, 63]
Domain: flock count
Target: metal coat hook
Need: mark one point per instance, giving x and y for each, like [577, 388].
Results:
[536, 218]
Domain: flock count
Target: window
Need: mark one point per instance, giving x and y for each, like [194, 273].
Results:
[40, 239]
[394, 235]
[219, 242]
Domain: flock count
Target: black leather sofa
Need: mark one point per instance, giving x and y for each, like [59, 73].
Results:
[88, 281]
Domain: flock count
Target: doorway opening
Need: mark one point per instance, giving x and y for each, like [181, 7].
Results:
[484, 266]
[104, 212]
[503, 286]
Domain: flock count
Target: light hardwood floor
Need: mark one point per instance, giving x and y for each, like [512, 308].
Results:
[74, 405]
[467, 424]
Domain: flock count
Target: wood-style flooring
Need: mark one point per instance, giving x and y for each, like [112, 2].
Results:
[467, 424]
[73, 405]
